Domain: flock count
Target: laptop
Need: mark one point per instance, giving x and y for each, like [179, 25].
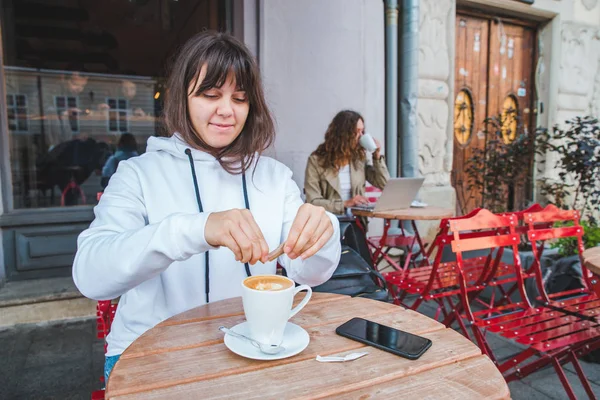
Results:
[398, 194]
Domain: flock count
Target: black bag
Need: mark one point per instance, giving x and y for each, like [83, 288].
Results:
[355, 277]
[565, 275]
[353, 236]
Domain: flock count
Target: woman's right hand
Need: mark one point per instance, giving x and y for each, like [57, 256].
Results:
[357, 200]
[238, 231]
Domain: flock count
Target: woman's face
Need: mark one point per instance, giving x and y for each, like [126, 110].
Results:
[218, 115]
[360, 130]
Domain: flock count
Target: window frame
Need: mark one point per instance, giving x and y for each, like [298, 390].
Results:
[118, 110]
[67, 108]
[14, 107]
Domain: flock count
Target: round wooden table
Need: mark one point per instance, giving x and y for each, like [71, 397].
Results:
[591, 259]
[184, 357]
[408, 214]
[412, 214]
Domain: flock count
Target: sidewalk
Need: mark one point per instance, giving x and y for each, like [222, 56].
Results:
[51, 361]
[65, 361]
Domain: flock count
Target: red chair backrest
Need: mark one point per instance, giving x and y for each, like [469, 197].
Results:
[542, 226]
[105, 312]
[489, 231]
[372, 192]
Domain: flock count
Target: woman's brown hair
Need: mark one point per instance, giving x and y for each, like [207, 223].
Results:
[222, 55]
[339, 147]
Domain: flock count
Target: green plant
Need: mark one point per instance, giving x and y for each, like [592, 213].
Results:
[568, 246]
[576, 149]
[497, 172]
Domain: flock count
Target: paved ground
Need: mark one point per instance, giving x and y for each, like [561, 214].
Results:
[57, 361]
[65, 361]
[543, 384]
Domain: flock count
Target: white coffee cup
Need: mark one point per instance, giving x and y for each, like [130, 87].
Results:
[268, 308]
[367, 142]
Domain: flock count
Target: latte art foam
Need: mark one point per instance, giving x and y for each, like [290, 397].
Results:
[269, 286]
[270, 283]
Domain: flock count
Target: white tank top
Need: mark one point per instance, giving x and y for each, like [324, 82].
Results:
[345, 185]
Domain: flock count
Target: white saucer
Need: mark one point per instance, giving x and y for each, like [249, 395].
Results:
[295, 339]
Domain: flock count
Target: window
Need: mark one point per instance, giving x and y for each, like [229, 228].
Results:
[17, 112]
[463, 117]
[510, 115]
[67, 106]
[117, 115]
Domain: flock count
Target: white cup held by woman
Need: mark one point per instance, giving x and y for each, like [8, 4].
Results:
[367, 142]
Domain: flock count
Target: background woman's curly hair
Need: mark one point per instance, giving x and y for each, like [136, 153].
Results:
[339, 147]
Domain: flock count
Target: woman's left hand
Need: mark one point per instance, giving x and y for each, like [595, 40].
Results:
[310, 230]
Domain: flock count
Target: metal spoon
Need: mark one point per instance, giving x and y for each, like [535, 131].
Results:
[265, 348]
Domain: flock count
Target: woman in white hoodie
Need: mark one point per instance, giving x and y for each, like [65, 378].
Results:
[187, 221]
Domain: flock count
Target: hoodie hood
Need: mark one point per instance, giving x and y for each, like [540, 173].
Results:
[176, 147]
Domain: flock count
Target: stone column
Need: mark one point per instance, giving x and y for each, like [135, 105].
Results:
[436, 88]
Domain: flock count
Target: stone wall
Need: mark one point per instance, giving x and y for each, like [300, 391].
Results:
[569, 82]
[436, 88]
[435, 81]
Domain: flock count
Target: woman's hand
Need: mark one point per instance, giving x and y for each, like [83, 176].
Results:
[238, 231]
[376, 153]
[357, 200]
[310, 230]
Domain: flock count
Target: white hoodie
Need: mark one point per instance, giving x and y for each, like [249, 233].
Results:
[146, 243]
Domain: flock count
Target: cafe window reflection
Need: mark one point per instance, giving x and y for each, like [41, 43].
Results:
[81, 76]
[67, 111]
[117, 115]
[17, 112]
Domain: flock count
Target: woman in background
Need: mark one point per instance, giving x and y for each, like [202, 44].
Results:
[336, 173]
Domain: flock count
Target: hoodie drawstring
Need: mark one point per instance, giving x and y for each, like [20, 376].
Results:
[199, 201]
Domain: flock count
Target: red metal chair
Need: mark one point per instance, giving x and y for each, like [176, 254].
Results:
[429, 282]
[542, 227]
[105, 315]
[437, 281]
[552, 337]
[72, 185]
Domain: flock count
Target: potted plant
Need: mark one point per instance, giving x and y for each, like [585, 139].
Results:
[499, 173]
[575, 149]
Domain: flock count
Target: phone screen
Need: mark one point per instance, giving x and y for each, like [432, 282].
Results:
[390, 339]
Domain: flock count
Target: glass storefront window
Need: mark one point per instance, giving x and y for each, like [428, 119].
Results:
[85, 84]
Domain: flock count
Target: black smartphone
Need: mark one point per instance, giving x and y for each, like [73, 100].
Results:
[385, 338]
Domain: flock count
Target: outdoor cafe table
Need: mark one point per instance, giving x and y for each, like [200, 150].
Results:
[412, 214]
[591, 259]
[184, 357]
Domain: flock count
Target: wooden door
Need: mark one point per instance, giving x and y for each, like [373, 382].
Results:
[493, 74]
[470, 108]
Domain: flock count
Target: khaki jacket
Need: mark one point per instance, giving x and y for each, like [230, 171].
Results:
[322, 186]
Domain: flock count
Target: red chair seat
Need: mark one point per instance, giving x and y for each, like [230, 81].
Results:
[415, 280]
[542, 328]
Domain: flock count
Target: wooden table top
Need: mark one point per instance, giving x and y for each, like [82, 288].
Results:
[591, 259]
[184, 357]
[406, 214]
